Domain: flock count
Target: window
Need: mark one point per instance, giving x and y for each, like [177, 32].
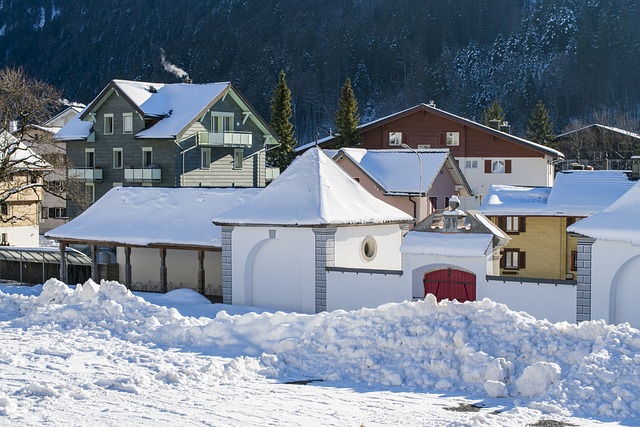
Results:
[57, 212]
[44, 212]
[237, 158]
[108, 124]
[369, 248]
[424, 146]
[90, 158]
[117, 158]
[127, 122]
[574, 260]
[512, 224]
[452, 139]
[471, 164]
[446, 202]
[4, 209]
[147, 156]
[117, 184]
[90, 192]
[512, 259]
[433, 201]
[395, 138]
[5, 239]
[205, 158]
[497, 166]
[221, 122]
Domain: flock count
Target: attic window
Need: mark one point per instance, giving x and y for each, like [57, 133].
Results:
[395, 138]
[369, 248]
[452, 139]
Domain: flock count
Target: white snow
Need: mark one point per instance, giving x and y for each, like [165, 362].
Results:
[100, 355]
[450, 244]
[150, 215]
[313, 190]
[618, 222]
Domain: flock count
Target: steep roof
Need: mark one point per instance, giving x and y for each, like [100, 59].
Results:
[575, 193]
[397, 171]
[617, 222]
[600, 127]
[148, 216]
[441, 113]
[313, 190]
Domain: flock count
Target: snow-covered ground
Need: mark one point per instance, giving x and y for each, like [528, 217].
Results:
[98, 355]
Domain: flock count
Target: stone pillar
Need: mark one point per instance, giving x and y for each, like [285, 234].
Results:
[201, 272]
[163, 269]
[227, 273]
[95, 274]
[128, 279]
[325, 257]
[63, 262]
[583, 301]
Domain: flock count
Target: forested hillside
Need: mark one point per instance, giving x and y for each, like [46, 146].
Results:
[579, 56]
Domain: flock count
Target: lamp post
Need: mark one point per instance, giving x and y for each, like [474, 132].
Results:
[419, 209]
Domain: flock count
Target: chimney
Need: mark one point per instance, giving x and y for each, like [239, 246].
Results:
[188, 81]
[505, 127]
[432, 103]
[494, 124]
[635, 168]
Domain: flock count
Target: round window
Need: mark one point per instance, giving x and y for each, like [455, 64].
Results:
[369, 248]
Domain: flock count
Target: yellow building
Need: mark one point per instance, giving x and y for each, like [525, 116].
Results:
[536, 219]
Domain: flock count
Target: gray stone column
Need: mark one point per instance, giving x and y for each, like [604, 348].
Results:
[583, 301]
[227, 283]
[325, 251]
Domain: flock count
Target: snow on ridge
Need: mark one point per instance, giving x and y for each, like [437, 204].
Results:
[589, 369]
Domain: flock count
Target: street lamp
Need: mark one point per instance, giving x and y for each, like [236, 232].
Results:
[419, 208]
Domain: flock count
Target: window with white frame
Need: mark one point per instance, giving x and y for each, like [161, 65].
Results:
[205, 158]
[147, 156]
[512, 224]
[90, 192]
[471, 164]
[108, 124]
[127, 122]
[89, 158]
[497, 166]
[395, 138]
[238, 155]
[117, 158]
[452, 139]
[221, 122]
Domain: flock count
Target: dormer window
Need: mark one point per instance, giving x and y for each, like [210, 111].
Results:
[108, 124]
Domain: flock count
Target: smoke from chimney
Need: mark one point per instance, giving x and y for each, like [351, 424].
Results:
[171, 68]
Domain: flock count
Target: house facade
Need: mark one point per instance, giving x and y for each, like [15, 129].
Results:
[486, 155]
[417, 182]
[167, 135]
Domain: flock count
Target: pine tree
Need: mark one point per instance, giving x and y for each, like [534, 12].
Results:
[347, 118]
[281, 113]
[493, 112]
[539, 127]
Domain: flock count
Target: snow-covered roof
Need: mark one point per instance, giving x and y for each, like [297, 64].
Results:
[446, 244]
[21, 155]
[147, 216]
[313, 190]
[76, 129]
[397, 171]
[596, 126]
[617, 222]
[574, 193]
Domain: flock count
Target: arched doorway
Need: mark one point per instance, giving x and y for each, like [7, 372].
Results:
[449, 283]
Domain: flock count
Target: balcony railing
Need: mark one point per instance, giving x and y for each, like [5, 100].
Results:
[143, 174]
[86, 174]
[226, 139]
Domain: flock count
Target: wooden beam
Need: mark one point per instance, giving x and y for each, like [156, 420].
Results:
[201, 272]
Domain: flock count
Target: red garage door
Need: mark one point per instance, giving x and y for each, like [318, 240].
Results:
[450, 284]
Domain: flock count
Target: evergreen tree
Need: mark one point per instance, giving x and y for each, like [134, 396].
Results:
[493, 112]
[281, 113]
[539, 127]
[347, 118]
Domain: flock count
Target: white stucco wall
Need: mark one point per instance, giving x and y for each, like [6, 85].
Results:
[182, 267]
[274, 272]
[23, 236]
[351, 291]
[348, 247]
[615, 283]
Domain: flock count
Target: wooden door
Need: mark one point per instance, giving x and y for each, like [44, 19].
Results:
[450, 284]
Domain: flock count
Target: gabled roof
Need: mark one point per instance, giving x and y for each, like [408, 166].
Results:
[397, 171]
[176, 107]
[601, 127]
[313, 191]
[575, 193]
[441, 113]
[148, 216]
[617, 222]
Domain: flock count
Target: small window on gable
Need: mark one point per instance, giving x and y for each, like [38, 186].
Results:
[238, 155]
[108, 124]
[205, 158]
[127, 122]
[395, 138]
[452, 139]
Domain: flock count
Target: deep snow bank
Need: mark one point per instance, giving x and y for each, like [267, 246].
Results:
[589, 369]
